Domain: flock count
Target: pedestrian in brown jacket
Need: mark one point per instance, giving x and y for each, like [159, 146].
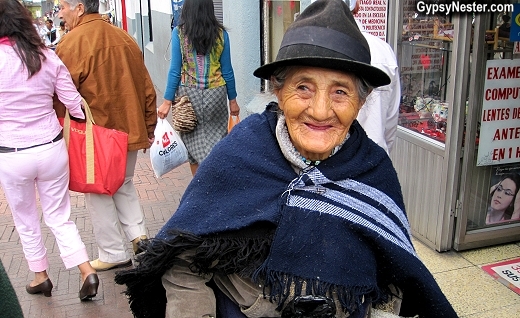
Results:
[108, 70]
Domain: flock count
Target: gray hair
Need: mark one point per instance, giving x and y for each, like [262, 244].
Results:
[91, 6]
[280, 75]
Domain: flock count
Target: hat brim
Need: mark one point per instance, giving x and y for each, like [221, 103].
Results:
[372, 75]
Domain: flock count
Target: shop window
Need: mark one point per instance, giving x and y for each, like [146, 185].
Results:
[494, 174]
[425, 49]
[281, 15]
[497, 37]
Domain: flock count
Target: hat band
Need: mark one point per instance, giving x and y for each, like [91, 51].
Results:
[329, 39]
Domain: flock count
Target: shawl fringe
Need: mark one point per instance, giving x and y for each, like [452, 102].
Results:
[237, 255]
[145, 292]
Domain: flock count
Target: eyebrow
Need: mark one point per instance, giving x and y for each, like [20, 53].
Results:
[307, 78]
[500, 184]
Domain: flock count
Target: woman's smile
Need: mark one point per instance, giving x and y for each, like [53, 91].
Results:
[317, 126]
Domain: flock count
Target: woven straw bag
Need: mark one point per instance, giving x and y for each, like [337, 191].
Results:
[183, 116]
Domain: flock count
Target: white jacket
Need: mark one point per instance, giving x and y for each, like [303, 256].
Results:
[379, 115]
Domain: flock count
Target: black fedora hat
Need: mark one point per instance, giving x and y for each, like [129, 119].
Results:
[326, 35]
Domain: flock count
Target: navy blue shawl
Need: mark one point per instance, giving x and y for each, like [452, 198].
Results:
[339, 227]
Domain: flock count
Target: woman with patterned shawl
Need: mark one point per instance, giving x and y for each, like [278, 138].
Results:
[296, 213]
[201, 69]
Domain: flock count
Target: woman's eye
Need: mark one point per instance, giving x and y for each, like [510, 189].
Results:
[341, 92]
[304, 91]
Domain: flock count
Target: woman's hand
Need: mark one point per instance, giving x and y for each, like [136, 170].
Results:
[516, 211]
[234, 109]
[493, 187]
[164, 109]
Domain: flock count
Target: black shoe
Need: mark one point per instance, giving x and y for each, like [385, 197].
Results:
[45, 288]
[90, 287]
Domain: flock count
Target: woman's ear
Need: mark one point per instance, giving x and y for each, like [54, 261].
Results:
[276, 91]
[363, 101]
[272, 79]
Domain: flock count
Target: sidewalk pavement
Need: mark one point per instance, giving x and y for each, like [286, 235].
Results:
[473, 293]
[159, 199]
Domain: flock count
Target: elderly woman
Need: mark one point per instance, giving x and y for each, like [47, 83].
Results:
[296, 213]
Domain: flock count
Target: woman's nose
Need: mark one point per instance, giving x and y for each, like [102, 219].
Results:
[320, 106]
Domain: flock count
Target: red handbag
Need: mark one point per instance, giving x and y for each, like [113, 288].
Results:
[97, 155]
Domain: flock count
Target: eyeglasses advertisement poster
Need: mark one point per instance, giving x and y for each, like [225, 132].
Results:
[504, 201]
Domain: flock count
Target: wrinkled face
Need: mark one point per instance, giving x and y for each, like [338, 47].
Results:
[319, 106]
[69, 15]
[504, 194]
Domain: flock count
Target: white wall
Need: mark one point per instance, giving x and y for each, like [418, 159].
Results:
[163, 6]
[242, 20]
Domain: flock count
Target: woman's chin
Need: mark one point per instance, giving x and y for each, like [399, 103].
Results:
[316, 145]
[316, 153]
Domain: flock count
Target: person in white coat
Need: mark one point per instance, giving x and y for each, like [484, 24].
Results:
[52, 36]
[379, 115]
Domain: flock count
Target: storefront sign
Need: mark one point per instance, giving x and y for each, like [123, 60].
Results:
[514, 34]
[516, 48]
[507, 272]
[372, 15]
[500, 120]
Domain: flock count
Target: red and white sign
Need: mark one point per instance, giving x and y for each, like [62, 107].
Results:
[372, 15]
[500, 120]
[516, 48]
[508, 273]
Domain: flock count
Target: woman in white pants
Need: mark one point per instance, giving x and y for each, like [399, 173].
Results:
[33, 154]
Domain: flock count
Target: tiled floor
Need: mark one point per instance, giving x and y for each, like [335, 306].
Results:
[472, 292]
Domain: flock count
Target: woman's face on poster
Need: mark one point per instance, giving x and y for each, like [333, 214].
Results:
[503, 195]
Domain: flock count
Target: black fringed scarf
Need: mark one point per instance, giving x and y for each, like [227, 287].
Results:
[339, 227]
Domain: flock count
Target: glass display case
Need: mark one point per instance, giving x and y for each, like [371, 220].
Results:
[458, 169]
[424, 57]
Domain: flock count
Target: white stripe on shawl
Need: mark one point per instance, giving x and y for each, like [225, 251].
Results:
[356, 204]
